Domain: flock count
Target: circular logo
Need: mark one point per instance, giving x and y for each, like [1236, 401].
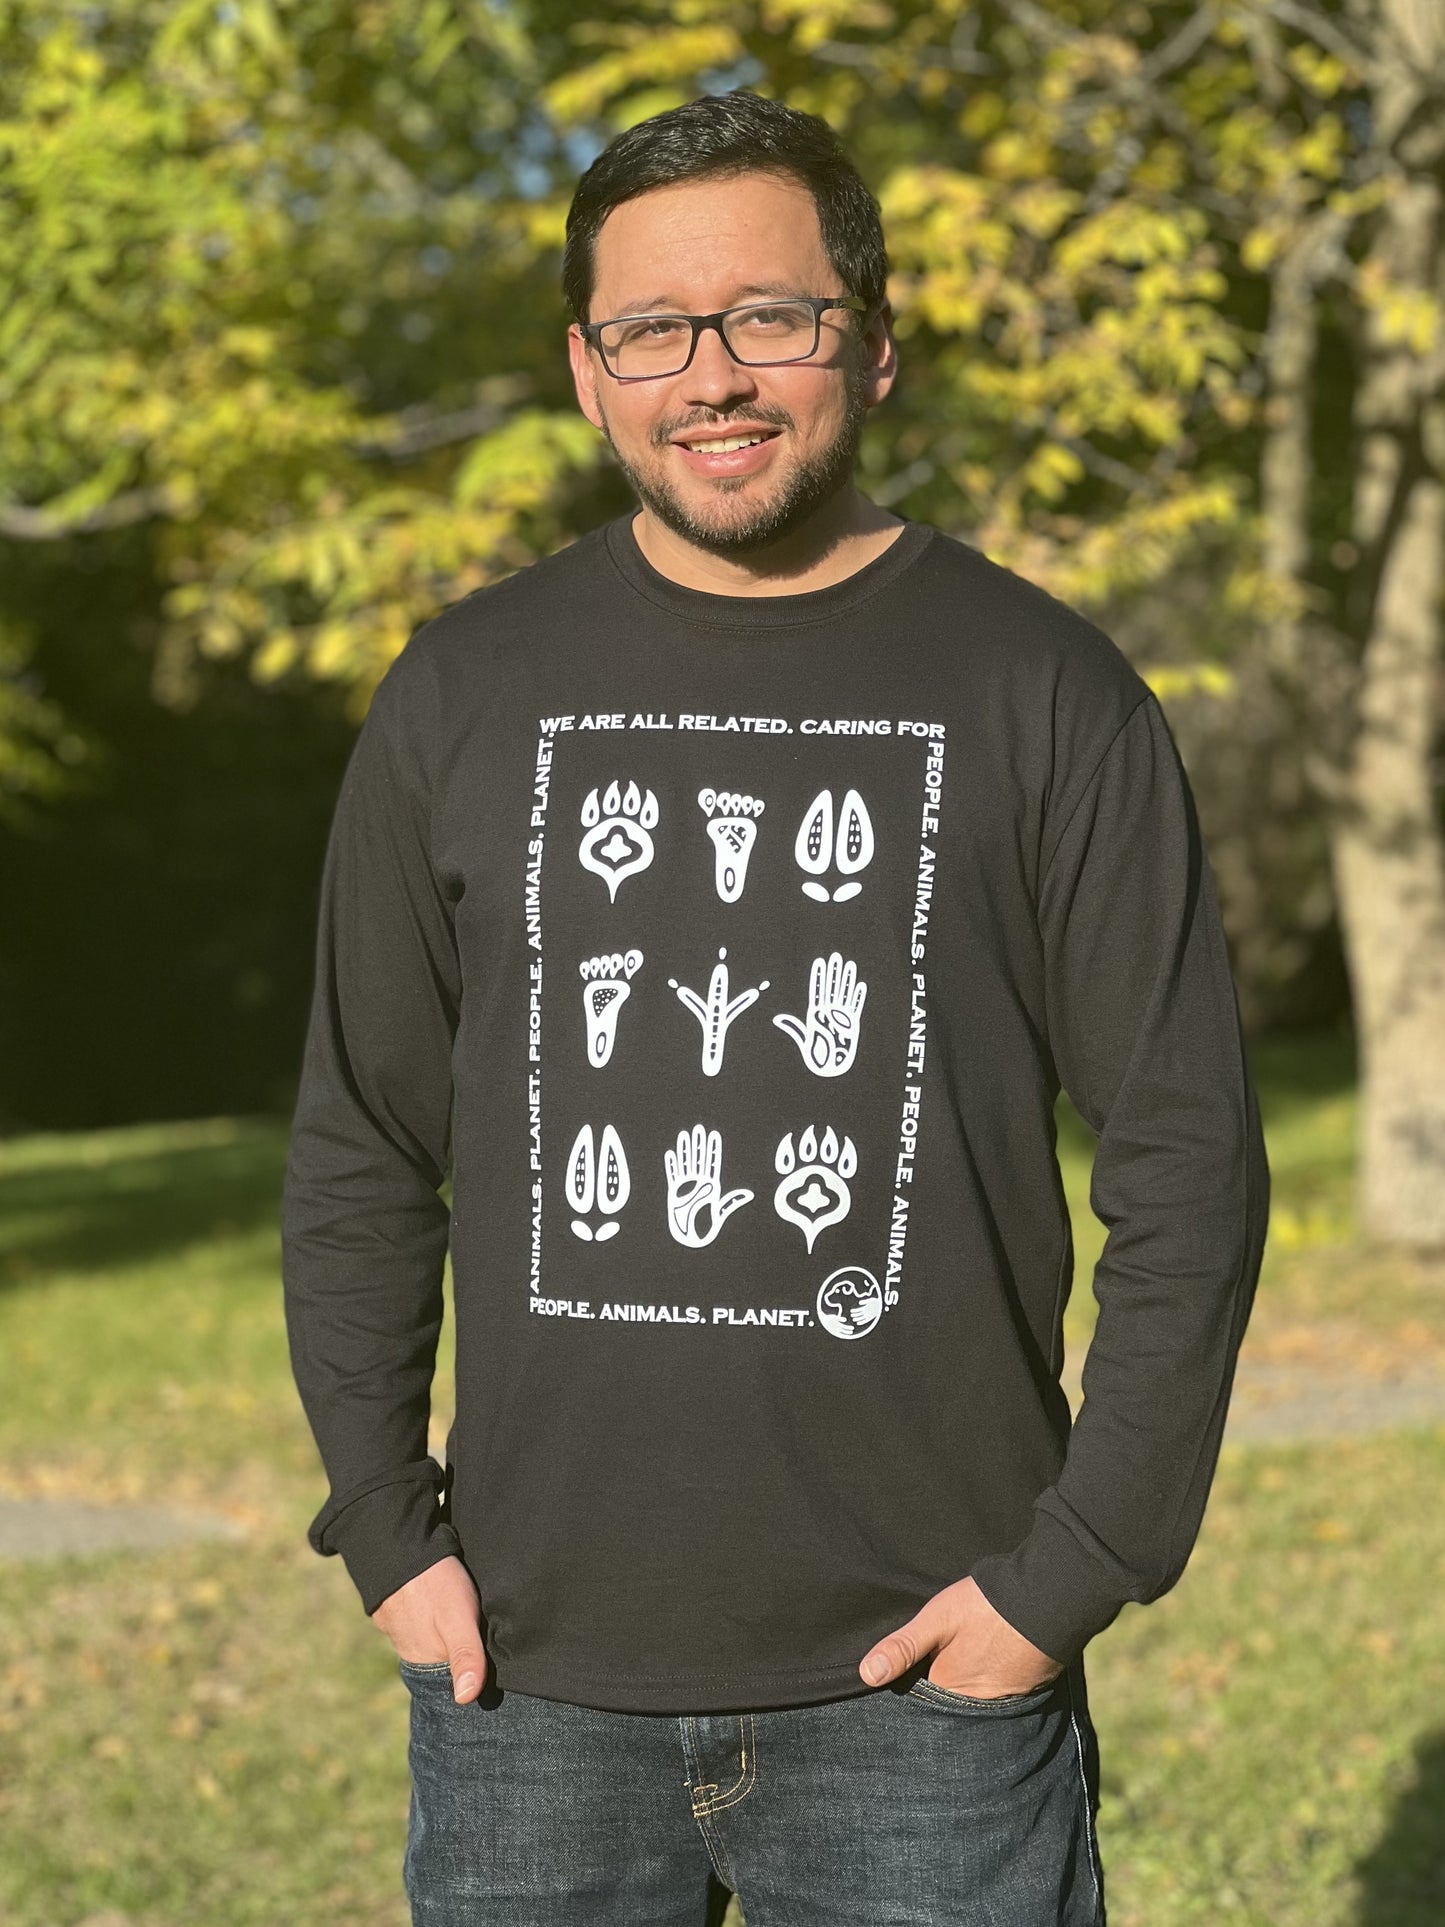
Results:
[850, 1302]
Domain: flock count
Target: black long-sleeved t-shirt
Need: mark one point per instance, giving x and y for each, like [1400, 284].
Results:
[730, 953]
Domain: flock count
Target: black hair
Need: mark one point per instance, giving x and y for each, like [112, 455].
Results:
[716, 136]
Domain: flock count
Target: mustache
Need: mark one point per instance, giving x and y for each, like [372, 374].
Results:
[666, 432]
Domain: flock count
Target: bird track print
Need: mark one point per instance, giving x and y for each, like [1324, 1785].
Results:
[790, 844]
[715, 1013]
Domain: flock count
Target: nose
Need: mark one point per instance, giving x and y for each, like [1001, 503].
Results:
[714, 378]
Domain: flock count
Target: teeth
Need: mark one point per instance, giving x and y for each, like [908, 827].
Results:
[725, 448]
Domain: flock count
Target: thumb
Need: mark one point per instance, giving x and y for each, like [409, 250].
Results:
[902, 1649]
[468, 1662]
[791, 1027]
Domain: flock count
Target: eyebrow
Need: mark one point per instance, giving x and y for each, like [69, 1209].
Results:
[669, 304]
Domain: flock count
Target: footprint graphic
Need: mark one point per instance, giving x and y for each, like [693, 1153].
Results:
[814, 1191]
[604, 991]
[816, 847]
[597, 1176]
[715, 1013]
[617, 843]
[827, 1034]
[733, 828]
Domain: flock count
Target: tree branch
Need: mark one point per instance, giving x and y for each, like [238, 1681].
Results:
[22, 524]
[1322, 30]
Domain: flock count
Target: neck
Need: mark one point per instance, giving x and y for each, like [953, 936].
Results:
[844, 535]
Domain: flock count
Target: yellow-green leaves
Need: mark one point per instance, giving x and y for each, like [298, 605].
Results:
[521, 465]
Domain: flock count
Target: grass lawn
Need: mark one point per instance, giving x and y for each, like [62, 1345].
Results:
[215, 1735]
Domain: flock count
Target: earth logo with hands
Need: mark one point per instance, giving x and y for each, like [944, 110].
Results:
[850, 1302]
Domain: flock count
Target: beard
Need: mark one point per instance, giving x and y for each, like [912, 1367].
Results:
[756, 526]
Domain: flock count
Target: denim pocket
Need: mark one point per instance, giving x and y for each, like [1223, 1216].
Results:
[1037, 1696]
[424, 1666]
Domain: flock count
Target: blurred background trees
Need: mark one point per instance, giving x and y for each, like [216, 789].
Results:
[282, 374]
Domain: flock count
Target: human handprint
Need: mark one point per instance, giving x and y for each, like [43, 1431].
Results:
[696, 1207]
[827, 1034]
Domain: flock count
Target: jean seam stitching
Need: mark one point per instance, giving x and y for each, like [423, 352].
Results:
[742, 1786]
[716, 1851]
[941, 1694]
[1089, 1839]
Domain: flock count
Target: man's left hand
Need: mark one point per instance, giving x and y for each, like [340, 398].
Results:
[977, 1652]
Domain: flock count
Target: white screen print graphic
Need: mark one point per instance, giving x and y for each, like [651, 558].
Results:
[606, 986]
[697, 1205]
[618, 840]
[733, 827]
[827, 1033]
[597, 1174]
[835, 838]
[813, 1193]
[715, 1013]
[850, 846]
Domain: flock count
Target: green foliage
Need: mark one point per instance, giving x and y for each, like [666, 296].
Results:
[281, 281]
[280, 284]
[39, 747]
[268, 290]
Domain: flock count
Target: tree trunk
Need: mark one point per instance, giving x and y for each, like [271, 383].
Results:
[1387, 848]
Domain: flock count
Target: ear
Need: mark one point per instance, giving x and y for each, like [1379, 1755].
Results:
[880, 357]
[584, 375]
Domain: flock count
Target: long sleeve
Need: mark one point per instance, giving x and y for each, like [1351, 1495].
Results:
[1144, 1030]
[364, 1231]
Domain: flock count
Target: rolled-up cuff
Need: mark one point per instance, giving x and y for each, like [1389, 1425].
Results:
[387, 1530]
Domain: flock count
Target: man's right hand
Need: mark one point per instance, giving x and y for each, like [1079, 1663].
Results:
[437, 1616]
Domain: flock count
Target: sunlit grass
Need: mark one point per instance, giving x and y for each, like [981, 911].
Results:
[215, 1734]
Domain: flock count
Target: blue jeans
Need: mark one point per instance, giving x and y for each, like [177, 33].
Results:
[906, 1806]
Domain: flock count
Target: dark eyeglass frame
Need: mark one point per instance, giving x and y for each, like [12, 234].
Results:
[591, 331]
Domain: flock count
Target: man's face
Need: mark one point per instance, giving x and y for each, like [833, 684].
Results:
[693, 249]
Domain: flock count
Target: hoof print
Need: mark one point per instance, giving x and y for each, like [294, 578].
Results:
[819, 845]
[597, 1175]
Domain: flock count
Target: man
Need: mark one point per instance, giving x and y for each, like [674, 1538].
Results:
[723, 901]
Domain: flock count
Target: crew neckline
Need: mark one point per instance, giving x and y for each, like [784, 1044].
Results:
[803, 607]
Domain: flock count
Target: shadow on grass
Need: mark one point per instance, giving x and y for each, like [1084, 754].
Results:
[109, 1199]
[1402, 1879]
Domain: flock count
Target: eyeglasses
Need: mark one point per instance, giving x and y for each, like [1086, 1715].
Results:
[763, 334]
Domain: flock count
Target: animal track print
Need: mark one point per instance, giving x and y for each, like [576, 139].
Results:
[597, 1176]
[605, 989]
[715, 1013]
[733, 828]
[618, 842]
[814, 1190]
[702, 827]
[816, 846]
[827, 1032]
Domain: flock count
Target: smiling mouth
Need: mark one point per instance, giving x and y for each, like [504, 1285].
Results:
[725, 444]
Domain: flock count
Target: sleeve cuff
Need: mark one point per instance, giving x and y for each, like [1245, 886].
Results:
[1058, 1588]
[387, 1530]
